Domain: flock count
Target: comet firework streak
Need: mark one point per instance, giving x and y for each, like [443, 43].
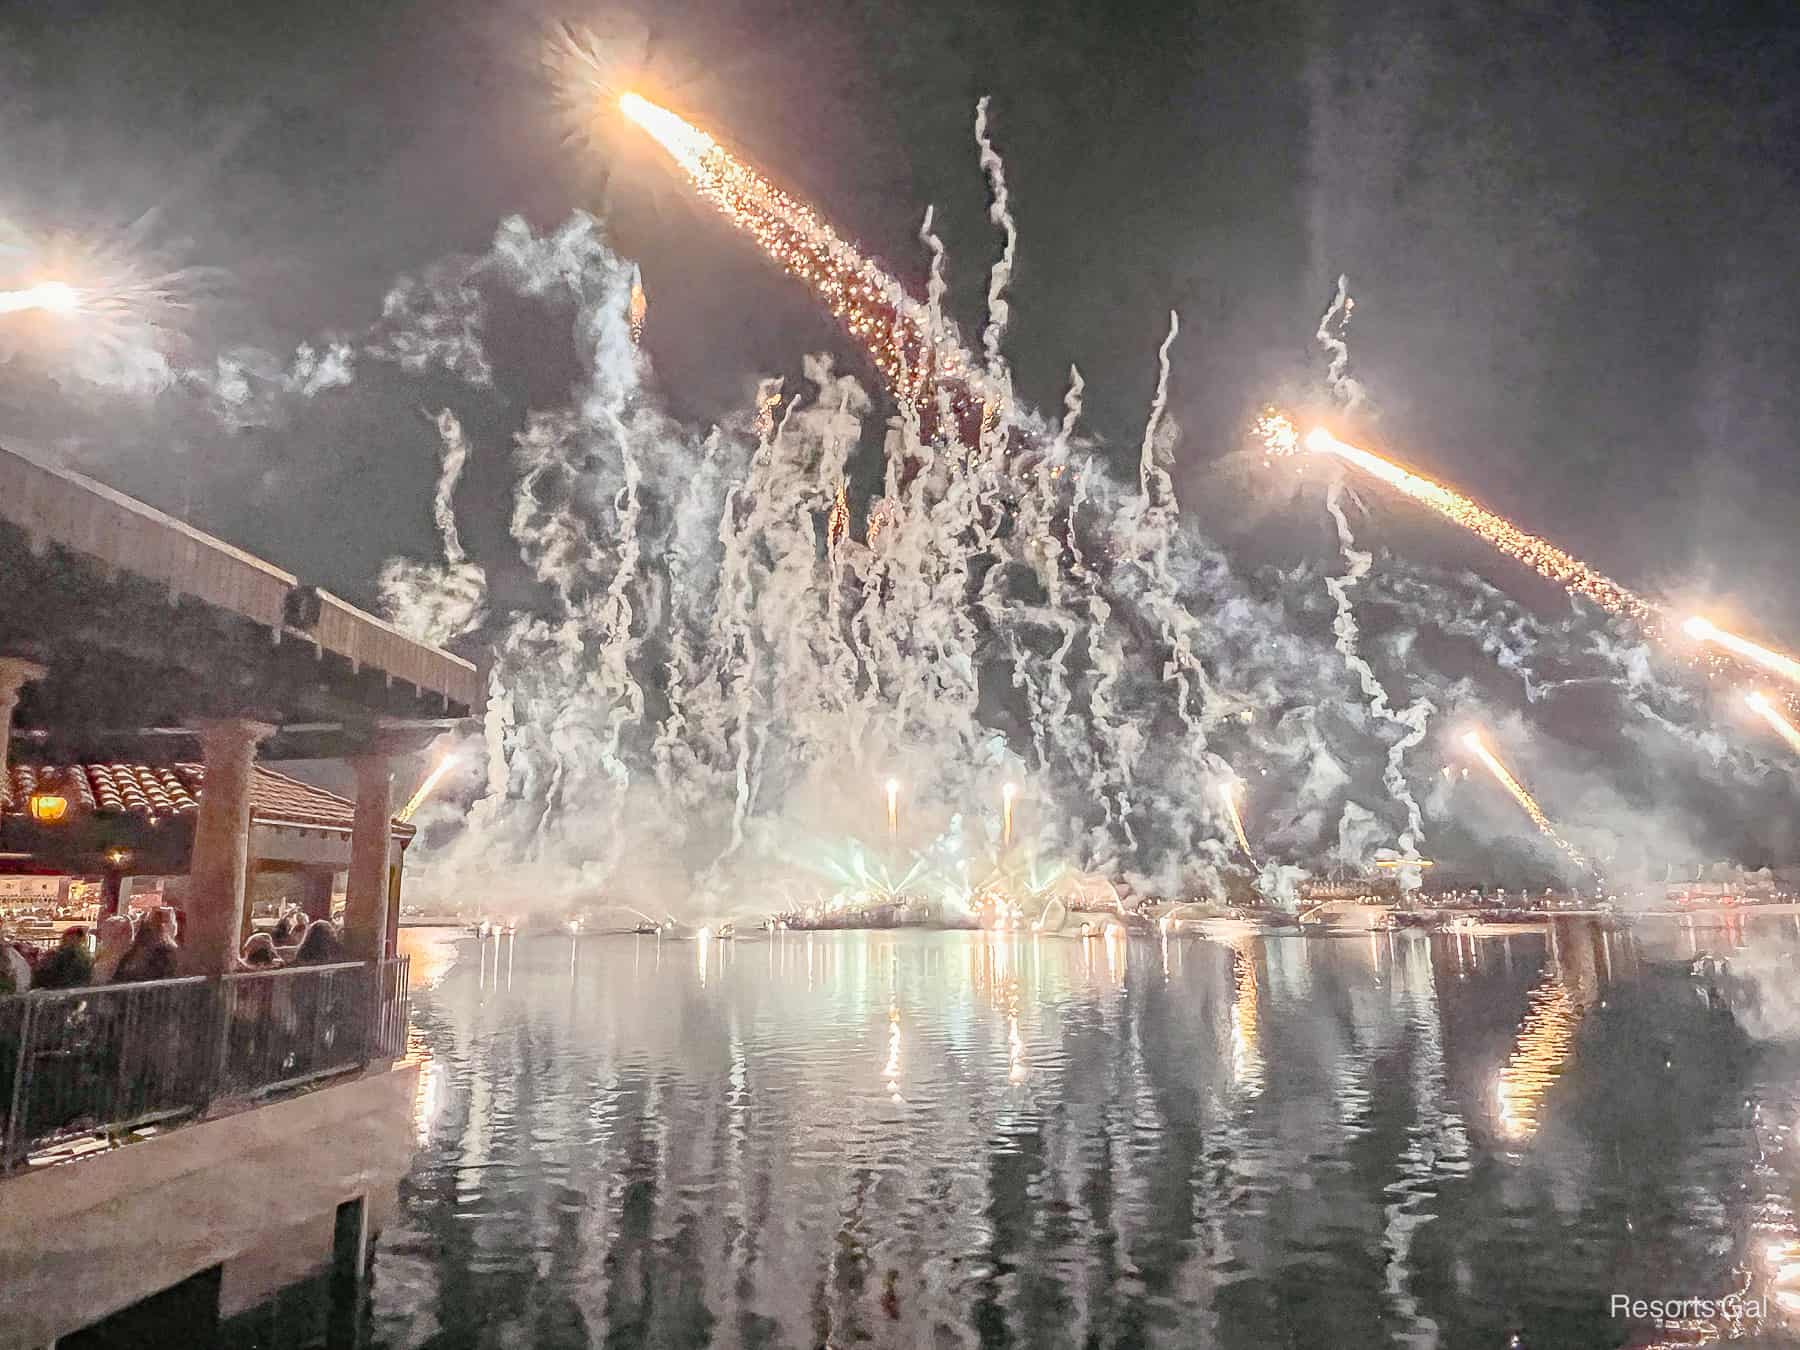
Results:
[1760, 705]
[910, 351]
[1540, 555]
[1279, 438]
[1526, 801]
[1704, 630]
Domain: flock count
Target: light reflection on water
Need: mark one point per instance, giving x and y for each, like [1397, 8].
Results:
[969, 1139]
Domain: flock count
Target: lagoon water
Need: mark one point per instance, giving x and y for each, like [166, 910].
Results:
[955, 1139]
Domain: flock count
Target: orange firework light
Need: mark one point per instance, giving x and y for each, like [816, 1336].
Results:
[637, 311]
[1525, 800]
[1543, 557]
[1704, 630]
[1229, 791]
[1280, 438]
[892, 326]
[1760, 705]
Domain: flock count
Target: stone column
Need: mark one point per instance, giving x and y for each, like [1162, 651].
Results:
[366, 894]
[221, 853]
[15, 674]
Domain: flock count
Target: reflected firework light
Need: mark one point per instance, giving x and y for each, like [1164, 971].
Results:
[1763, 708]
[52, 297]
[895, 329]
[1704, 630]
[1525, 800]
[1230, 790]
[1538, 1059]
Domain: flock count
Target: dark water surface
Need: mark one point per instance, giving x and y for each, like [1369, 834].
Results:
[953, 1139]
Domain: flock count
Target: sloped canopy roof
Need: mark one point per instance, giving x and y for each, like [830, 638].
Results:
[156, 793]
[149, 625]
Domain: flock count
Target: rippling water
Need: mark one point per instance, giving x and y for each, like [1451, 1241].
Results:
[955, 1139]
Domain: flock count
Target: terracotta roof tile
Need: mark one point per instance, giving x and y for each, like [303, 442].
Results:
[153, 792]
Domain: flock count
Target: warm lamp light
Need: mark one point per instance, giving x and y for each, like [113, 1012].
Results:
[47, 807]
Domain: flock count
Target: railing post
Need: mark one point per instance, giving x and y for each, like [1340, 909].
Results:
[221, 1046]
[20, 1098]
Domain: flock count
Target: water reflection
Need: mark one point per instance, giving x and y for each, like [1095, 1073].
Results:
[993, 1139]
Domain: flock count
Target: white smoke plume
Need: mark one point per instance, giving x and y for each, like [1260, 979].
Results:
[1000, 212]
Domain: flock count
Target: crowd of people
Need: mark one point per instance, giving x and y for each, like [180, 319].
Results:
[126, 949]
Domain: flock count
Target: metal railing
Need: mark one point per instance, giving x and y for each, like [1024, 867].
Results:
[110, 1058]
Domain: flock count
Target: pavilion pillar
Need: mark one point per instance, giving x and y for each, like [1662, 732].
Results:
[371, 828]
[15, 674]
[221, 845]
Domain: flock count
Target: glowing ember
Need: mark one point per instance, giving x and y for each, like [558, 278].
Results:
[1278, 435]
[1759, 703]
[1522, 797]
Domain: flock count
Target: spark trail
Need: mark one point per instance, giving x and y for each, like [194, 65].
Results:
[912, 354]
[1543, 557]
[419, 798]
[1229, 791]
[1525, 800]
[1704, 630]
[1760, 705]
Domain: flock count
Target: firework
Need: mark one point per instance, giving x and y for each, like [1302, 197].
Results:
[1546, 559]
[1525, 800]
[1007, 794]
[1704, 630]
[1763, 708]
[912, 353]
[52, 297]
[837, 524]
[893, 806]
[637, 311]
[425, 789]
[1230, 791]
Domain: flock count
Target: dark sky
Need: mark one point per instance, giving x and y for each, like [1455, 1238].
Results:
[1571, 229]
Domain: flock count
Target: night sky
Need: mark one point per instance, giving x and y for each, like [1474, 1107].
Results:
[1570, 229]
